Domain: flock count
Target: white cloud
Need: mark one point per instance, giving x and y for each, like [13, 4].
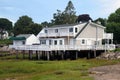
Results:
[109, 6]
[10, 9]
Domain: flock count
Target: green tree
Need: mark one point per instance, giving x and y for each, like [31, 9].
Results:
[66, 17]
[22, 25]
[5, 24]
[113, 25]
[102, 21]
[46, 24]
[34, 28]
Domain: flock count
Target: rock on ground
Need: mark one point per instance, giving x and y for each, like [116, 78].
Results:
[110, 55]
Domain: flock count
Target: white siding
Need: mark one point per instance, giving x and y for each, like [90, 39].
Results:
[90, 32]
[32, 40]
[18, 42]
[108, 35]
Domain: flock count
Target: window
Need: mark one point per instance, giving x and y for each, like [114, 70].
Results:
[55, 42]
[61, 42]
[76, 30]
[96, 43]
[106, 41]
[45, 31]
[50, 42]
[70, 29]
[83, 41]
[56, 30]
[23, 42]
[42, 41]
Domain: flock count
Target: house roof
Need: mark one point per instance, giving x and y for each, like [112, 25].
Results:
[24, 35]
[71, 25]
[64, 25]
[21, 37]
[17, 38]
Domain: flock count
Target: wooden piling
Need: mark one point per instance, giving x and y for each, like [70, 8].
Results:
[37, 54]
[23, 52]
[88, 57]
[16, 54]
[30, 54]
[76, 56]
[94, 53]
[38, 57]
[48, 55]
[62, 55]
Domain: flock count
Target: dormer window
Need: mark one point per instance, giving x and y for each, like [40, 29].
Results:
[70, 29]
[45, 31]
[56, 30]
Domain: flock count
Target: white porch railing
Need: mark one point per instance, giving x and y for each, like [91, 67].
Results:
[63, 47]
[56, 34]
[30, 47]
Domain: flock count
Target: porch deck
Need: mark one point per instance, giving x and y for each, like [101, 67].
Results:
[63, 47]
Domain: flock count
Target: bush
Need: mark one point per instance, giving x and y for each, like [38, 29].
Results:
[5, 42]
[117, 50]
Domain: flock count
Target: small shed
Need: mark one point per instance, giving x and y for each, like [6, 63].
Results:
[25, 39]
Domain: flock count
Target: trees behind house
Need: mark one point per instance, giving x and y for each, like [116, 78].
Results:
[5, 25]
[34, 28]
[25, 25]
[46, 24]
[113, 25]
[68, 16]
[102, 21]
[22, 25]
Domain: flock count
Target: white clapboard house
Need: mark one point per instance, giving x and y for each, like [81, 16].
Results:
[24, 39]
[79, 36]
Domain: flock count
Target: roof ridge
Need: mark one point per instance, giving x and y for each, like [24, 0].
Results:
[64, 25]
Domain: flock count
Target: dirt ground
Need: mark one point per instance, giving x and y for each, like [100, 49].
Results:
[111, 72]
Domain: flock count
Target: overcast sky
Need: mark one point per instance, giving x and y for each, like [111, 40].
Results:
[42, 10]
